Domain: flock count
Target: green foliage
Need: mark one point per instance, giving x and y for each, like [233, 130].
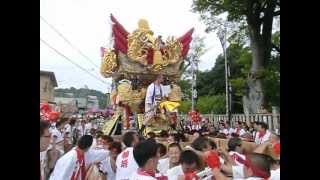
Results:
[276, 38]
[206, 105]
[237, 85]
[272, 82]
[236, 8]
[82, 93]
[212, 82]
[242, 14]
[211, 104]
[185, 106]
[185, 88]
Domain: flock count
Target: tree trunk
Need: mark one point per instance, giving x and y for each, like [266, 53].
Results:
[260, 44]
[254, 99]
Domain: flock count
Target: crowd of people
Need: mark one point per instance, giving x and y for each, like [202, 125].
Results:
[77, 149]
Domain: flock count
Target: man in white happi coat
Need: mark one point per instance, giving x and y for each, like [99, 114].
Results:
[73, 165]
[108, 166]
[236, 150]
[125, 162]
[256, 167]
[190, 163]
[156, 92]
[146, 154]
[174, 151]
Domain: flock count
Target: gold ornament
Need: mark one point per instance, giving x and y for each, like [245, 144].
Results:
[138, 47]
[142, 40]
[124, 91]
[172, 51]
[175, 94]
[109, 63]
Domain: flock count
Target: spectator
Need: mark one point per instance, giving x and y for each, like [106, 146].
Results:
[229, 128]
[251, 129]
[238, 129]
[212, 131]
[246, 129]
[255, 128]
[223, 129]
[263, 133]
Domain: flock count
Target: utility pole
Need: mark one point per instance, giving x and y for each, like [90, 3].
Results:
[193, 85]
[222, 34]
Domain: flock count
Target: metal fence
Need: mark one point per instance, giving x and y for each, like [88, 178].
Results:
[273, 120]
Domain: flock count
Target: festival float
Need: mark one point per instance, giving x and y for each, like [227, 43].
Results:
[133, 62]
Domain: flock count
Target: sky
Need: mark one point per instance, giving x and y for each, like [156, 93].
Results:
[85, 23]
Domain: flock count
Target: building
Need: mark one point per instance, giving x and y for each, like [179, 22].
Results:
[92, 102]
[71, 104]
[47, 84]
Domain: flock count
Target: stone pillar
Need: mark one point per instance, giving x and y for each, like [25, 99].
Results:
[276, 120]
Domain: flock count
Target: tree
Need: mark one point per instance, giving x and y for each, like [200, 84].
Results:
[212, 82]
[185, 88]
[196, 51]
[211, 104]
[185, 106]
[256, 16]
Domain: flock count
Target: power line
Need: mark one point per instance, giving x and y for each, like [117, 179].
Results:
[64, 38]
[55, 50]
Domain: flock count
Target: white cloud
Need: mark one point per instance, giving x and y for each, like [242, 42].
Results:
[85, 24]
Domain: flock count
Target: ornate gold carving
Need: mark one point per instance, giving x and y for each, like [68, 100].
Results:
[109, 63]
[124, 91]
[172, 51]
[175, 94]
[138, 45]
[141, 41]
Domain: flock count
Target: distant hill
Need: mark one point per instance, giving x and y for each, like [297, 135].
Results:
[82, 93]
